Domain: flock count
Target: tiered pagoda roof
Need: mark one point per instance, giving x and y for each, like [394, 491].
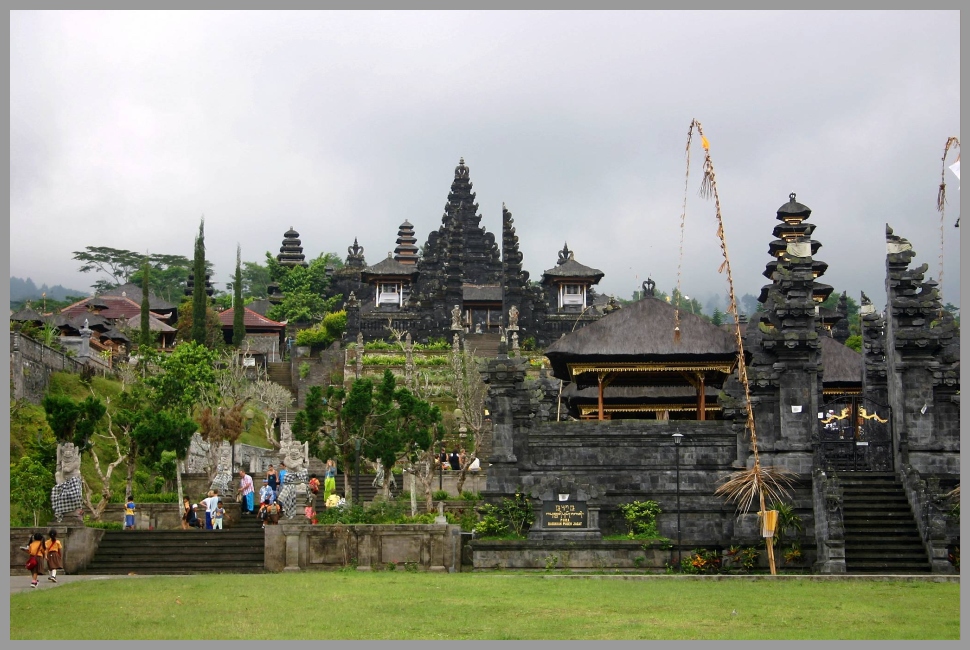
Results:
[291, 252]
[406, 251]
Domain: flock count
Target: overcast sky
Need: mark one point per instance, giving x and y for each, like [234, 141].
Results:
[126, 128]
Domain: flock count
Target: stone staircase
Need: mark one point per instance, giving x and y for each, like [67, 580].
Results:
[881, 534]
[238, 549]
[484, 345]
[279, 372]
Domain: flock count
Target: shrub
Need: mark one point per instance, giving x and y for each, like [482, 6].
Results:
[470, 496]
[641, 518]
[330, 329]
[106, 525]
[491, 524]
[440, 495]
[304, 369]
[701, 561]
[744, 558]
[156, 497]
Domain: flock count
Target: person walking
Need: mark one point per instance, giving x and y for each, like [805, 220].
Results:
[35, 556]
[329, 479]
[53, 549]
[246, 489]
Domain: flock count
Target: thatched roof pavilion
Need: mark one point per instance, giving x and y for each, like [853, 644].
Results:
[637, 346]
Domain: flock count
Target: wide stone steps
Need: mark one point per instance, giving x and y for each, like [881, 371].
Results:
[881, 535]
[235, 550]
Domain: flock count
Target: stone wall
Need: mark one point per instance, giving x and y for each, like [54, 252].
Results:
[292, 546]
[80, 544]
[31, 365]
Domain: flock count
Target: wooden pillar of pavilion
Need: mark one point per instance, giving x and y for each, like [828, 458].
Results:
[701, 397]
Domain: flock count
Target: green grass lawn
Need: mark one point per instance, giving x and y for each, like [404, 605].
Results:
[402, 605]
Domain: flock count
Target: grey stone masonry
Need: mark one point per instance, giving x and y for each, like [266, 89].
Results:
[922, 367]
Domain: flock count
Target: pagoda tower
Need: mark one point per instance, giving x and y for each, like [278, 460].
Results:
[406, 251]
[786, 371]
[291, 254]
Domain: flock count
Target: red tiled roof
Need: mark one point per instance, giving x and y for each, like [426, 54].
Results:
[117, 307]
[250, 319]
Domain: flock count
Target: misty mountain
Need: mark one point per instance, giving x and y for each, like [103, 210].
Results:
[27, 290]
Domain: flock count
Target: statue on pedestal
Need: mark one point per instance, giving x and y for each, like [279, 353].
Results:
[456, 318]
[66, 494]
[294, 487]
[514, 318]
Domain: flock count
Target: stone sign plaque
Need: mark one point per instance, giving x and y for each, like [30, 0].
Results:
[564, 515]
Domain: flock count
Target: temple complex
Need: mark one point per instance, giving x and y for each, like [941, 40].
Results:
[416, 290]
[645, 404]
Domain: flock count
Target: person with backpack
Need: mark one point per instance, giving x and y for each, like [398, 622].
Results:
[130, 514]
[35, 555]
[53, 549]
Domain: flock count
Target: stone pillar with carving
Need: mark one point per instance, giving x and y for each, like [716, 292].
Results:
[505, 378]
[922, 361]
[829, 531]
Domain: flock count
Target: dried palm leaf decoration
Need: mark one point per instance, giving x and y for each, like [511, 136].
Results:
[744, 486]
[954, 142]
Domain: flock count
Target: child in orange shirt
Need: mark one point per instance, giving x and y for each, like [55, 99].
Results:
[35, 555]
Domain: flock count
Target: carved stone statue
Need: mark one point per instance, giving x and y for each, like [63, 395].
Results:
[66, 494]
[456, 318]
[197, 459]
[514, 318]
[648, 287]
[565, 254]
[223, 477]
[294, 487]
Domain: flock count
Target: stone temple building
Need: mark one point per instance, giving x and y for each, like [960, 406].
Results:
[873, 443]
[463, 266]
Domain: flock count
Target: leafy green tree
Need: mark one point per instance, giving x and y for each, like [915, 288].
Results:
[852, 310]
[200, 301]
[255, 279]
[169, 275]
[117, 263]
[308, 424]
[303, 288]
[30, 487]
[73, 421]
[187, 378]
[717, 318]
[854, 342]
[213, 326]
[239, 309]
[390, 421]
[160, 431]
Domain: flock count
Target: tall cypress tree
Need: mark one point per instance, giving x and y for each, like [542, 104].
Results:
[145, 338]
[199, 302]
[238, 310]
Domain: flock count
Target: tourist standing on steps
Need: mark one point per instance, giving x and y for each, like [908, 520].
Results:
[282, 475]
[217, 517]
[272, 479]
[329, 479]
[53, 549]
[186, 512]
[266, 493]
[130, 514]
[35, 556]
[211, 503]
[246, 489]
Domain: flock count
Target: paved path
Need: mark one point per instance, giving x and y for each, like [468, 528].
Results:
[21, 583]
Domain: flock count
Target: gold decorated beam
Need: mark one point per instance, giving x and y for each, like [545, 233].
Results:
[577, 369]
